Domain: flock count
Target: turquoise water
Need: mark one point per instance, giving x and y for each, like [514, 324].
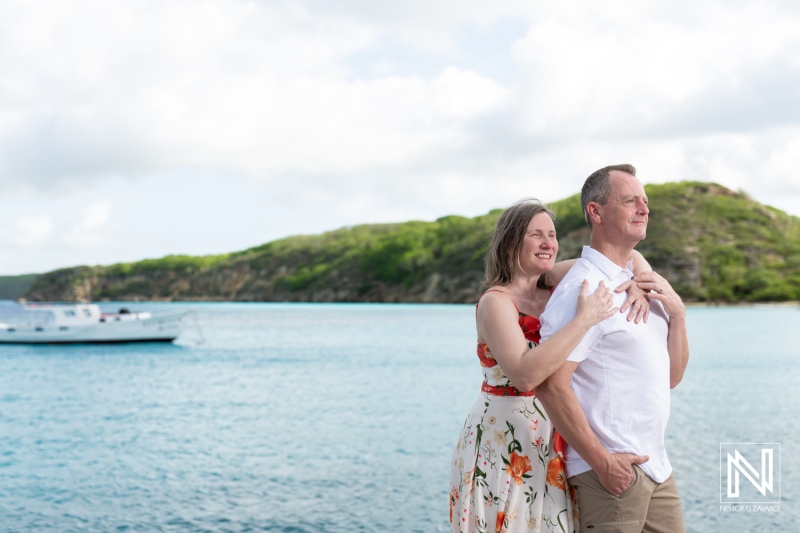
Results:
[334, 418]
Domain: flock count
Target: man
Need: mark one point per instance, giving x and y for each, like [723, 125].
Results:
[610, 400]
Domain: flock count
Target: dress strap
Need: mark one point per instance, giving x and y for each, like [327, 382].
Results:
[495, 290]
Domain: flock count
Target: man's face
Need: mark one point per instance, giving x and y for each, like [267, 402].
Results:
[625, 214]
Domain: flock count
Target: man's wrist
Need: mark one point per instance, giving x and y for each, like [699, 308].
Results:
[599, 459]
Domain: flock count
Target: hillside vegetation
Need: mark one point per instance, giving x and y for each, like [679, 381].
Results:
[714, 245]
[13, 287]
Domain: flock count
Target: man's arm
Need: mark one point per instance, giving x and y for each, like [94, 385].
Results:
[614, 470]
[677, 337]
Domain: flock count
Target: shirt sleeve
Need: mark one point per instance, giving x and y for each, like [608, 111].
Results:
[586, 347]
[561, 309]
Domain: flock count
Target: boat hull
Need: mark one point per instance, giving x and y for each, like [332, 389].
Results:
[164, 327]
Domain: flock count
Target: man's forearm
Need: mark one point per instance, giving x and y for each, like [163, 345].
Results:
[678, 348]
[561, 404]
[614, 470]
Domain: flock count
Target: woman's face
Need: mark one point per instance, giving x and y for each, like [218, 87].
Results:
[539, 246]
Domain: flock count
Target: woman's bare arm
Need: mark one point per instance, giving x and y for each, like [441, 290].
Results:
[560, 270]
[526, 368]
[638, 301]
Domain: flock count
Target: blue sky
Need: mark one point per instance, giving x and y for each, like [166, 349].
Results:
[136, 129]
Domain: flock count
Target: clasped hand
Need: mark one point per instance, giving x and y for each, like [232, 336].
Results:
[659, 289]
[597, 307]
[637, 301]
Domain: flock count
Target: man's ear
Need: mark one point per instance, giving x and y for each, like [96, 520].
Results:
[593, 210]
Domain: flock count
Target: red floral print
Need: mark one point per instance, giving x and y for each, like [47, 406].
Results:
[530, 327]
[560, 445]
[518, 466]
[485, 356]
[501, 517]
[555, 473]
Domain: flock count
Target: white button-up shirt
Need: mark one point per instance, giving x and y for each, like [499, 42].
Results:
[622, 379]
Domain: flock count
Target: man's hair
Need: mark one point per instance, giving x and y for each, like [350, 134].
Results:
[505, 246]
[597, 187]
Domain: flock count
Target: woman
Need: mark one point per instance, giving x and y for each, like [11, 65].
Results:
[508, 471]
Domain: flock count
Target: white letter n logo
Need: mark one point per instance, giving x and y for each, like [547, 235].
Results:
[762, 482]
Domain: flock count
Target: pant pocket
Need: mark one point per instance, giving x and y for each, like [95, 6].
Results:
[635, 472]
[629, 526]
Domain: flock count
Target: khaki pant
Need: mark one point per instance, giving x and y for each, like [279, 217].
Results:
[646, 507]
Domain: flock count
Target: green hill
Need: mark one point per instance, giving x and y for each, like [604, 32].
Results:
[13, 287]
[712, 243]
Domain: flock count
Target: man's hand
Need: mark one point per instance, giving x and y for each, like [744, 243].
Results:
[617, 474]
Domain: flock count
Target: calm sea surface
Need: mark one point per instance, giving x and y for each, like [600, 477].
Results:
[336, 418]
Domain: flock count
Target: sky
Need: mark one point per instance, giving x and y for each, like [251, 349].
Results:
[136, 129]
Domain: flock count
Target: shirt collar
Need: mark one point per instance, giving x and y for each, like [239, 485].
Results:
[606, 265]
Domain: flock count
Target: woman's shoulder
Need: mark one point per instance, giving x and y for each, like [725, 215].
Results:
[496, 297]
[495, 293]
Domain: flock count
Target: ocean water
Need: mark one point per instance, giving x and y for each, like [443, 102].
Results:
[335, 418]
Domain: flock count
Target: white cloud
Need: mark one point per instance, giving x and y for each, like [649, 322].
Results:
[128, 88]
[264, 89]
[601, 72]
[92, 228]
[385, 111]
[28, 231]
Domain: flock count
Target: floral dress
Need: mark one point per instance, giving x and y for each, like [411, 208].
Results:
[508, 470]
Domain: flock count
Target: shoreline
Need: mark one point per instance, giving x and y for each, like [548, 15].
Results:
[743, 304]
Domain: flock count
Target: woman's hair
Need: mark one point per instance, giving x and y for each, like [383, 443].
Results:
[505, 245]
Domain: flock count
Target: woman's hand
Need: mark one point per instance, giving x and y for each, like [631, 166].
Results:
[637, 300]
[662, 291]
[594, 308]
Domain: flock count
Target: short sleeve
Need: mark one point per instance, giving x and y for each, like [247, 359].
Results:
[587, 345]
[560, 310]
